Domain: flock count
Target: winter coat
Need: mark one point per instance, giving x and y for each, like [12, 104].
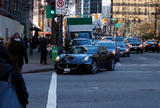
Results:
[18, 52]
[6, 67]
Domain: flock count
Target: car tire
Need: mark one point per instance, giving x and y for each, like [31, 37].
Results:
[145, 49]
[142, 51]
[111, 66]
[60, 71]
[94, 67]
[128, 55]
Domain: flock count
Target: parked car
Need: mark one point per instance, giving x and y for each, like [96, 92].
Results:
[134, 44]
[119, 39]
[124, 50]
[152, 45]
[86, 59]
[112, 48]
[109, 38]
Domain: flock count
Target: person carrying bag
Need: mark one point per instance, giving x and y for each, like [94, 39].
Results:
[13, 92]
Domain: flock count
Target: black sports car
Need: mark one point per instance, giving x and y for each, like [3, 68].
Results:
[85, 59]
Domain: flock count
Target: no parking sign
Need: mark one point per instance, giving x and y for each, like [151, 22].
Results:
[60, 7]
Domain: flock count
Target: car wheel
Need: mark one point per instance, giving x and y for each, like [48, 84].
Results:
[112, 65]
[128, 55]
[60, 71]
[146, 50]
[93, 68]
[142, 51]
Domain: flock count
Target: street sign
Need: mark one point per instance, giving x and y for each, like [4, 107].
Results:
[60, 7]
[118, 25]
[54, 52]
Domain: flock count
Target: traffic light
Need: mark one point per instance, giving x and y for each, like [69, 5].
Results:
[96, 16]
[53, 9]
[119, 20]
[50, 10]
[105, 20]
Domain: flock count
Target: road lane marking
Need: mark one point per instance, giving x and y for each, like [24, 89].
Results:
[52, 96]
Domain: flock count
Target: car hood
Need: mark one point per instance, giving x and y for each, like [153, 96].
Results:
[123, 48]
[134, 43]
[73, 57]
[111, 50]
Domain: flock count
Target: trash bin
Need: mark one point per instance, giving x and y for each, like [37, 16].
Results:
[54, 52]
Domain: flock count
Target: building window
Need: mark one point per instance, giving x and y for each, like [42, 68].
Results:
[145, 10]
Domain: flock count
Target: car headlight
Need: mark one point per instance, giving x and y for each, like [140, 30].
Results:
[113, 52]
[127, 50]
[85, 59]
[141, 45]
[129, 45]
[57, 59]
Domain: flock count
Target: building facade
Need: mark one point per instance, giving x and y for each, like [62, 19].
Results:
[88, 7]
[95, 6]
[15, 16]
[133, 10]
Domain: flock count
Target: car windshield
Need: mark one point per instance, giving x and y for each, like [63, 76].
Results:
[121, 44]
[80, 35]
[150, 42]
[108, 45]
[119, 39]
[85, 50]
[109, 38]
[133, 40]
[81, 42]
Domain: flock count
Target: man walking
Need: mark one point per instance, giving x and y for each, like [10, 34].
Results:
[18, 51]
[43, 50]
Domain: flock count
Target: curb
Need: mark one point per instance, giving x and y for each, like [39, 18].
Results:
[38, 71]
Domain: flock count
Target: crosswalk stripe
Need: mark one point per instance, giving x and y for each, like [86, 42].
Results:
[52, 96]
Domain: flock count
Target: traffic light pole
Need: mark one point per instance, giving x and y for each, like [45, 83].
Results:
[60, 34]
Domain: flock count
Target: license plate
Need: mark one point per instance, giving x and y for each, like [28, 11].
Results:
[121, 52]
[67, 70]
[135, 48]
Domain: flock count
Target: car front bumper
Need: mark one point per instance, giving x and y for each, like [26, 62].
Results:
[72, 67]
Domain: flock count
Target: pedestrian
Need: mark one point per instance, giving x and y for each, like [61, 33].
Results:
[31, 46]
[8, 66]
[18, 51]
[1, 41]
[25, 39]
[43, 50]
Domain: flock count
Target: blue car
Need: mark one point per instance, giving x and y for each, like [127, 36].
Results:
[112, 48]
[124, 50]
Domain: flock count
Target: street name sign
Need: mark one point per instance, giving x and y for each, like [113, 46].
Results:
[60, 7]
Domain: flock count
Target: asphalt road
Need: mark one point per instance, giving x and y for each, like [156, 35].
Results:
[134, 84]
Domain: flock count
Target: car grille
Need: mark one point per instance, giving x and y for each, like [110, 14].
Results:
[136, 45]
[122, 50]
[70, 66]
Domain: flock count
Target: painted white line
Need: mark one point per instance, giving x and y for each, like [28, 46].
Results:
[52, 96]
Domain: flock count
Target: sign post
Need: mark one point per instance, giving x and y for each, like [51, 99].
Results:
[60, 7]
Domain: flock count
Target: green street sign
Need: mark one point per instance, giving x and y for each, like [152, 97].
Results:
[54, 52]
[118, 25]
[114, 19]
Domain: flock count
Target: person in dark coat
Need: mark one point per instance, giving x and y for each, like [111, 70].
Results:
[43, 50]
[18, 51]
[7, 66]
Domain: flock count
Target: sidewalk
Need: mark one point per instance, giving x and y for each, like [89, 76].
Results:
[34, 64]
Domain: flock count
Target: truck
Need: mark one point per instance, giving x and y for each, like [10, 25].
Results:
[77, 28]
